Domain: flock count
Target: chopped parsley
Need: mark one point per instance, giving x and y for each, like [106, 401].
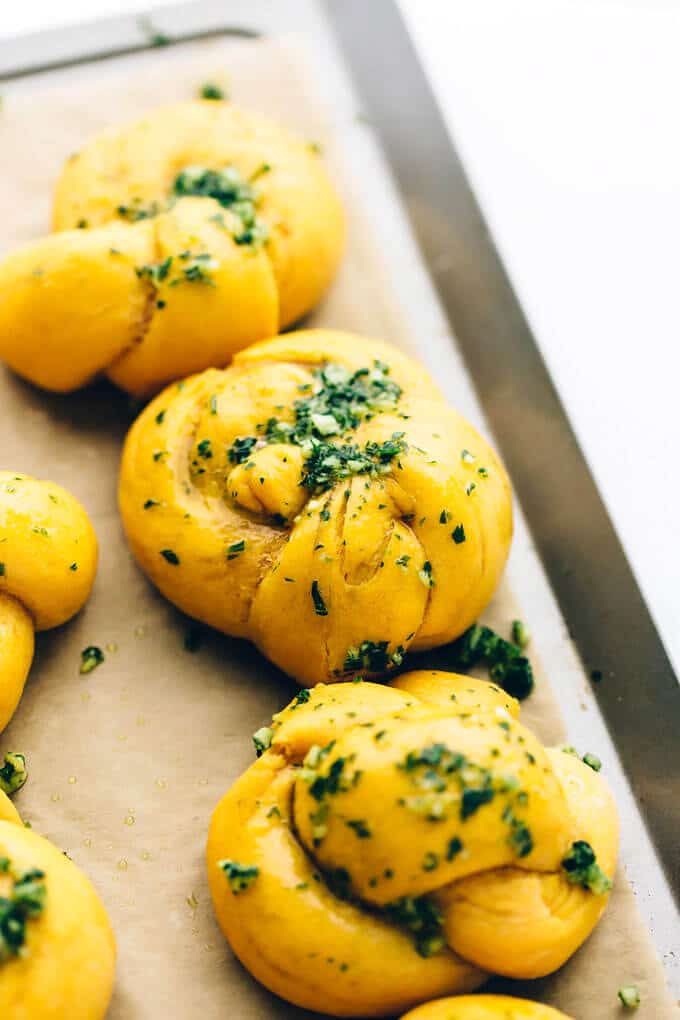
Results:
[430, 861]
[422, 918]
[204, 449]
[229, 188]
[262, 739]
[239, 876]
[372, 657]
[148, 503]
[320, 607]
[520, 634]
[156, 272]
[235, 549]
[25, 902]
[581, 868]
[90, 658]
[13, 773]
[160, 417]
[240, 449]
[138, 211]
[458, 534]
[454, 848]
[328, 463]
[425, 574]
[337, 404]
[507, 665]
[629, 996]
[2, 569]
[592, 761]
[211, 91]
[170, 556]
[360, 828]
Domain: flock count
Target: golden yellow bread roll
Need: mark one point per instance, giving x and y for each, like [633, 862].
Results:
[8, 813]
[396, 843]
[320, 498]
[48, 560]
[57, 950]
[182, 238]
[484, 1007]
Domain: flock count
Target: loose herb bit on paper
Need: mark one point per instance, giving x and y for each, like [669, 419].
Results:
[507, 665]
[90, 658]
[211, 91]
[239, 876]
[581, 868]
[13, 773]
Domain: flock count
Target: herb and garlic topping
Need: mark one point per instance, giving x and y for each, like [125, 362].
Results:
[419, 825]
[22, 899]
[13, 773]
[322, 473]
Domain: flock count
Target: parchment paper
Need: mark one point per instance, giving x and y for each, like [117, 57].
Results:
[128, 762]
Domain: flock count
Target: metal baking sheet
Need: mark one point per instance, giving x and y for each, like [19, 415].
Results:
[450, 278]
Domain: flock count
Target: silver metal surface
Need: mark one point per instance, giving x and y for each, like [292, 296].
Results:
[633, 680]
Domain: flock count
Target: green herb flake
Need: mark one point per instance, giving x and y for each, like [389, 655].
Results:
[458, 534]
[507, 665]
[262, 739]
[372, 657]
[235, 549]
[592, 761]
[629, 996]
[159, 417]
[581, 868]
[425, 574]
[211, 91]
[2, 570]
[320, 607]
[90, 658]
[239, 876]
[73, 567]
[155, 272]
[25, 902]
[227, 187]
[204, 449]
[520, 634]
[170, 556]
[430, 861]
[13, 773]
[150, 502]
[423, 919]
[360, 828]
[453, 849]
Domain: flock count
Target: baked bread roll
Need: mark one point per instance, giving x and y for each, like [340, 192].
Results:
[320, 498]
[484, 1007]
[394, 844]
[182, 238]
[57, 949]
[48, 560]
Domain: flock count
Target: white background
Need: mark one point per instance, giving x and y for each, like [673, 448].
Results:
[566, 113]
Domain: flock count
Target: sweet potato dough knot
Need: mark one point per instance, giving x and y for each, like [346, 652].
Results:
[392, 844]
[57, 949]
[48, 559]
[180, 239]
[320, 498]
[484, 1007]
